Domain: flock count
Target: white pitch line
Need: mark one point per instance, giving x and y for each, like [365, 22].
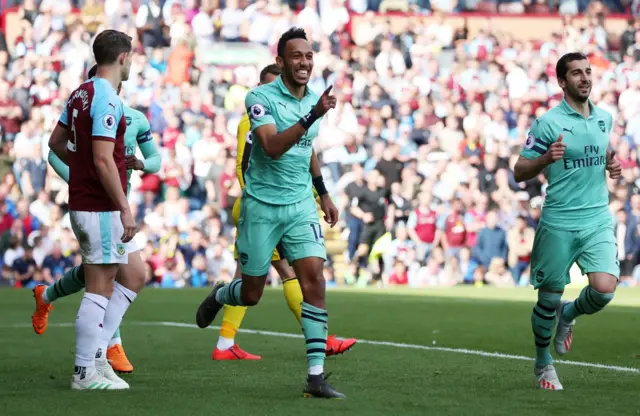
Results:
[380, 343]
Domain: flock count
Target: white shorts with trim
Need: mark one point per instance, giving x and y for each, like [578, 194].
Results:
[99, 235]
[132, 246]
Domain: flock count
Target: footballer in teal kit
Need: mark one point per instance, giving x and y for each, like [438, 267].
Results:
[570, 145]
[278, 205]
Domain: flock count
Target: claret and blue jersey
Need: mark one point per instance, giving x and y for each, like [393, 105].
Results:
[94, 111]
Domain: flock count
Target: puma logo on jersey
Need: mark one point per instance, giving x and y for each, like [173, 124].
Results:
[566, 129]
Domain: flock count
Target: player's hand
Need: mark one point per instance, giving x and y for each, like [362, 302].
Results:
[329, 209]
[325, 103]
[556, 151]
[128, 224]
[613, 165]
[133, 162]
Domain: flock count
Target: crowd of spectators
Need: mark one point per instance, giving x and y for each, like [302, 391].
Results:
[419, 150]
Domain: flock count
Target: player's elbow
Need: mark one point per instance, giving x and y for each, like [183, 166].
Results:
[271, 150]
[519, 173]
[101, 162]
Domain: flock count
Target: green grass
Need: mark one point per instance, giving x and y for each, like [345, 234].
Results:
[174, 373]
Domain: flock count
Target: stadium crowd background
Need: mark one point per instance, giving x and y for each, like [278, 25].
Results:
[434, 110]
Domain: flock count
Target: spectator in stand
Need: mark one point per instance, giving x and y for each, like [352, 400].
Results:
[520, 244]
[56, 264]
[454, 230]
[370, 207]
[24, 268]
[492, 242]
[440, 110]
[422, 227]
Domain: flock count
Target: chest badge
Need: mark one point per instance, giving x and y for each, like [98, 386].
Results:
[602, 126]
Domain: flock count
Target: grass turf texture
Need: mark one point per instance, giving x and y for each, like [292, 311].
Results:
[174, 373]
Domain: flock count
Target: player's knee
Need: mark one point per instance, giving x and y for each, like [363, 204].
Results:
[251, 294]
[549, 299]
[604, 283]
[251, 298]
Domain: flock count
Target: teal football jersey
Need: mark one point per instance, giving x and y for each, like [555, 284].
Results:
[138, 132]
[577, 195]
[286, 180]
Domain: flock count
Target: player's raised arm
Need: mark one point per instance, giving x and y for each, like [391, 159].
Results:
[539, 152]
[264, 128]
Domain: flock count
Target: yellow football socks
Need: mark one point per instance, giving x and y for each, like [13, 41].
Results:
[231, 320]
[293, 295]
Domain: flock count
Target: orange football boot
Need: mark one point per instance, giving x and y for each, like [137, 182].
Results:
[337, 346]
[233, 353]
[40, 317]
[118, 359]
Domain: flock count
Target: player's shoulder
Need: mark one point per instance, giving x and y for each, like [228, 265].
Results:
[103, 88]
[547, 124]
[552, 116]
[265, 91]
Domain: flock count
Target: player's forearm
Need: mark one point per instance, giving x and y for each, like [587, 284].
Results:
[59, 148]
[278, 144]
[152, 160]
[526, 169]
[58, 166]
[314, 165]
[110, 180]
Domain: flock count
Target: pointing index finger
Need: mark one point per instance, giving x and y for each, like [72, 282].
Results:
[328, 90]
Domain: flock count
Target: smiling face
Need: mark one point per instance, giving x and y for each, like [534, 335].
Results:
[297, 62]
[578, 81]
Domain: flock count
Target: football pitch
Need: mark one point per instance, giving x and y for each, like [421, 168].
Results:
[458, 351]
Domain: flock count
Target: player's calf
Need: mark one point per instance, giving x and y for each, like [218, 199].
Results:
[251, 289]
[543, 319]
[99, 279]
[129, 280]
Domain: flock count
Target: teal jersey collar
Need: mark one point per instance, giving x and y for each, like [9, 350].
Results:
[285, 91]
[571, 112]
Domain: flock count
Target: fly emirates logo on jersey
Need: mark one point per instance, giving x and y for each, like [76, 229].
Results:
[592, 157]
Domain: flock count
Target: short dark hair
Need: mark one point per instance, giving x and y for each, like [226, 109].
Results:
[562, 67]
[293, 33]
[92, 72]
[272, 69]
[109, 44]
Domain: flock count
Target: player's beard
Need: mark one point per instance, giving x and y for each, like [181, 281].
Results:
[577, 95]
[289, 73]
